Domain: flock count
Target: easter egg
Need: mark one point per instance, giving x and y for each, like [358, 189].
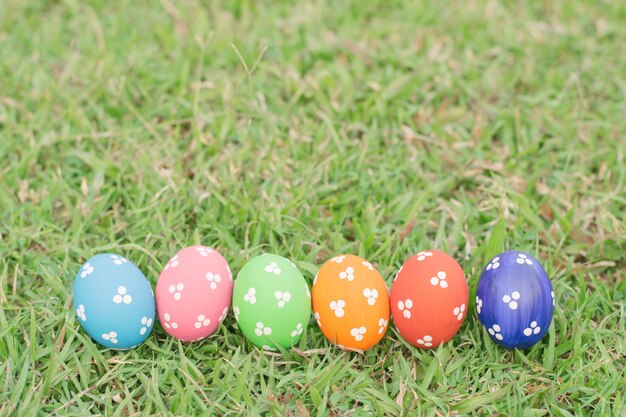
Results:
[193, 293]
[113, 301]
[429, 299]
[351, 302]
[515, 300]
[271, 302]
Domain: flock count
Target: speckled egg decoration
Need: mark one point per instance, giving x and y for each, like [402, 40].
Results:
[114, 301]
[271, 302]
[515, 300]
[429, 299]
[193, 293]
[351, 302]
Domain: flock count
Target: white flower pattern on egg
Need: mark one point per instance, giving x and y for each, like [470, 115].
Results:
[250, 296]
[282, 297]
[80, 312]
[494, 264]
[371, 295]
[495, 332]
[479, 304]
[459, 311]
[213, 279]
[368, 265]
[118, 260]
[262, 329]
[423, 255]
[382, 325]
[223, 315]
[317, 319]
[202, 321]
[440, 280]
[204, 251]
[298, 331]
[87, 270]
[425, 341]
[273, 268]
[512, 299]
[168, 323]
[146, 322]
[110, 337]
[347, 274]
[122, 296]
[230, 274]
[358, 333]
[405, 306]
[533, 329]
[523, 259]
[176, 290]
[337, 307]
[173, 263]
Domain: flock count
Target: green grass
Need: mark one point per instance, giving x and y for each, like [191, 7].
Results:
[378, 128]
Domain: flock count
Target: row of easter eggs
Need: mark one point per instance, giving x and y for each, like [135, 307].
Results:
[272, 302]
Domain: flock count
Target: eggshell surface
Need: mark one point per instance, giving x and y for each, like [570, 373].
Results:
[193, 293]
[429, 299]
[515, 300]
[114, 301]
[351, 302]
[271, 302]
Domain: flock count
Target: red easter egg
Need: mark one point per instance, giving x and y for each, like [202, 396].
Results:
[429, 299]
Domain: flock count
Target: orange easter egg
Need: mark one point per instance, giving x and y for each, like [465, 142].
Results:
[351, 302]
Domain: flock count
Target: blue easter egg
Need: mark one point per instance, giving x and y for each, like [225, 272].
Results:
[515, 300]
[114, 301]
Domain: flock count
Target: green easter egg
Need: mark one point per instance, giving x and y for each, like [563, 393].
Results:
[271, 302]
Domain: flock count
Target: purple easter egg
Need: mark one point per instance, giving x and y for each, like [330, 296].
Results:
[515, 300]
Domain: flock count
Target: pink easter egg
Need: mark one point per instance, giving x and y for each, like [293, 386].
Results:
[193, 293]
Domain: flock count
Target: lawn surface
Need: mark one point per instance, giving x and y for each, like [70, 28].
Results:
[378, 128]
